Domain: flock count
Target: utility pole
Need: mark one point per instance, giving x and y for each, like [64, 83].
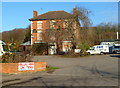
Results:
[117, 36]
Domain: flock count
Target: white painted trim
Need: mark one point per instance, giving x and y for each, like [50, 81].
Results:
[67, 41]
[31, 34]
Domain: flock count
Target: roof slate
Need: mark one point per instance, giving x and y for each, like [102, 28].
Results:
[53, 15]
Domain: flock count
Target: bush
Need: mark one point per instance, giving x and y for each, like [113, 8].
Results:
[40, 49]
[84, 47]
[7, 58]
[15, 58]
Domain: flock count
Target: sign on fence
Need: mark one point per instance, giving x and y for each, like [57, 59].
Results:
[25, 66]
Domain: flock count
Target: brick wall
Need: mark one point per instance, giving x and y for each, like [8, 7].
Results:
[13, 67]
[45, 25]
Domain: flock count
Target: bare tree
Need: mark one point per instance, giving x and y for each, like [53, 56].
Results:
[71, 29]
[82, 16]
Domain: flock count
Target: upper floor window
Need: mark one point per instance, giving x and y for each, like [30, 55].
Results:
[39, 35]
[34, 31]
[52, 24]
[65, 24]
[39, 24]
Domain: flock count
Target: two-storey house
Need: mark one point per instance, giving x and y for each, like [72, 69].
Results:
[46, 21]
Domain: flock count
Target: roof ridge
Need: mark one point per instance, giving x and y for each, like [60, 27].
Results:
[56, 11]
[54, 15]
[53, 11]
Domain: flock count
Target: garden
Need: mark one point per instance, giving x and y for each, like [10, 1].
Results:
[16, 62]
[12, 54]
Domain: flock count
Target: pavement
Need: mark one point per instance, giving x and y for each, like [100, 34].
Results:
[96, 70]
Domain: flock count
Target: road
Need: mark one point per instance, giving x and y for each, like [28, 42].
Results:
[97, 70]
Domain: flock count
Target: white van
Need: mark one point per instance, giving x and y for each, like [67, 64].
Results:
[99, 49]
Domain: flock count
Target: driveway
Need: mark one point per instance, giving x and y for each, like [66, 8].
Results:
[97, 70]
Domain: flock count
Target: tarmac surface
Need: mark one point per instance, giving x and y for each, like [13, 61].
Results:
[96, 70]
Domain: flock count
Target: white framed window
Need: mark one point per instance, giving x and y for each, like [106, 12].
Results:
[39, 35]
[52, 24]
[65, 24]
[39, 24]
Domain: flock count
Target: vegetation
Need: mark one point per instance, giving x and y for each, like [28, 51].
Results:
[71, 30]
[51, 68]
[82, 16]
[12, 56]
[15, 58]
[27, 34]
[23, 35]
[94, 35]
[87, 36]
[10, 36]
[39, 48]
[82, 36]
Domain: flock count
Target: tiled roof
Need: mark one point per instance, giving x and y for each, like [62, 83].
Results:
[26, 43]
[53, 15]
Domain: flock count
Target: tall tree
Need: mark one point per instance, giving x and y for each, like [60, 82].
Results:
[27, 34]
[83, 16]
[83, 21]
[71, 31]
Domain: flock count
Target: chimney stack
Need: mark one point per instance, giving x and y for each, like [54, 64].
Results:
[75, 11]
[35, 13]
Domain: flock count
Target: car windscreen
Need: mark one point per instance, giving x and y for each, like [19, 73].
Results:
[117, 46]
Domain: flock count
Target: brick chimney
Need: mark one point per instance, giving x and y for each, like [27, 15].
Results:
[75, 11]
[35, 13]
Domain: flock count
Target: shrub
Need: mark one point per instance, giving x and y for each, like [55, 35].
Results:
[40, 49]
[7, 58]
[15, 58]
[84, 47]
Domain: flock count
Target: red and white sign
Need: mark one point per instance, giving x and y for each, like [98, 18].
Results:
[25, 66]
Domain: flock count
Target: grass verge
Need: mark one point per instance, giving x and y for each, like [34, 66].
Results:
[51, 68]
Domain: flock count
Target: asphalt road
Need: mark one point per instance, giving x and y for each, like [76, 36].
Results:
[97, 70]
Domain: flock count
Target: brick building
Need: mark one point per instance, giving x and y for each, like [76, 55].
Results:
[46, 21]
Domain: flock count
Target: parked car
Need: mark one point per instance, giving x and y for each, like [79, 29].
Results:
[116, 48]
